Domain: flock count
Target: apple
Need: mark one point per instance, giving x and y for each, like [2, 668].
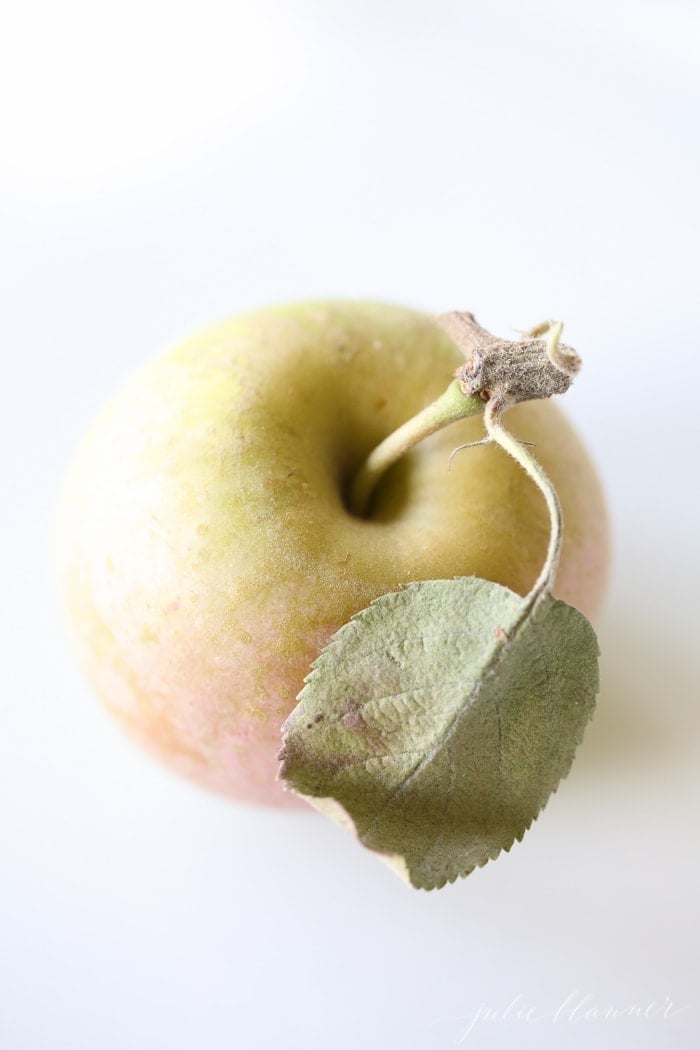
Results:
[206, 550]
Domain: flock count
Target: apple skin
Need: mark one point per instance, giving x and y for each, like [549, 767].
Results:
[205, 551]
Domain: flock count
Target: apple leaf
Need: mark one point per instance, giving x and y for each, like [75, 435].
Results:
[439, 720]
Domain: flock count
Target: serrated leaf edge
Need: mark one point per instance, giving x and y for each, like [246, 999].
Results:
[340, 814]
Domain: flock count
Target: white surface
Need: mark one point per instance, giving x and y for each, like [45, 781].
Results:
[166, 165]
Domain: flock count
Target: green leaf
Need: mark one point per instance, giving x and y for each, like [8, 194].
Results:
[438, 721]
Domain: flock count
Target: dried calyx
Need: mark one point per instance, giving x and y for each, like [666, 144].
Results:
[507, 372]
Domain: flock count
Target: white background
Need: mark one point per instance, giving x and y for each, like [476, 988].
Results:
[165, 165]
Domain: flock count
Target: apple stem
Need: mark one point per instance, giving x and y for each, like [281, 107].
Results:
[498, 433]
[452, 405]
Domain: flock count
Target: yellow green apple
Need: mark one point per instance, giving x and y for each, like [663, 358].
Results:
[206, 550]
